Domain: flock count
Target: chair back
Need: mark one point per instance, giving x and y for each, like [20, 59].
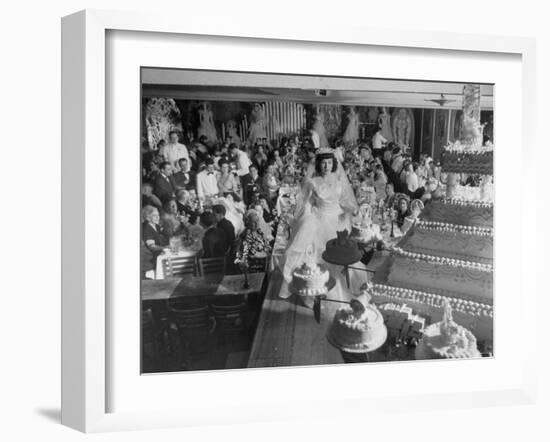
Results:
[231, 318]
[192, 321]
[147, 327]
[178, 266]
[209, 266]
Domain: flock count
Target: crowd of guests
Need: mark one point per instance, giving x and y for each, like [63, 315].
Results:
[182, 185]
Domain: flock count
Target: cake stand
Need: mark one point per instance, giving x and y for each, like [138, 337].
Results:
[345, 263]
[361, 352]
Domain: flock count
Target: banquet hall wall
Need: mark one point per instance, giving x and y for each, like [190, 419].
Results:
[433, 127]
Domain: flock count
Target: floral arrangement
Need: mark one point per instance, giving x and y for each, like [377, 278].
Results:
[452, 228]
[459, 305]
[440, 260]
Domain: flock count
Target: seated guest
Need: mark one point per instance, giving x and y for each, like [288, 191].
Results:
[151, 170]
[268, 210]
[277, 161]
[228, 182]
[389, 200]
[260, 159]
[164, 183]
[240, 158]
[263, 225]
[203, 150]
[270, 182]
[148, 261]
[170, 221]
[147, 197]
[253, 243]
[397, 160]
[194, 158]
[184, 206]
[283, 146]
[151, 233]
[207, 182]
[223, 223]
[412, 187]
[251, 184]
[402, 211]
[185, 178]
[380, 181]
[214, 241]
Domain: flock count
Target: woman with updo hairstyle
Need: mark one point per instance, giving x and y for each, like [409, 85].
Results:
[228, 182]
[252, 242]
[403, 210]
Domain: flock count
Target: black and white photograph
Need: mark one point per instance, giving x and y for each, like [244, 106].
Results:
[293, 220]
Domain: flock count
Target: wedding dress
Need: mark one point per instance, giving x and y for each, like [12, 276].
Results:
[324, 206]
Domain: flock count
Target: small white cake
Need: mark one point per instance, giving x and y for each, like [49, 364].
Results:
[310, 279]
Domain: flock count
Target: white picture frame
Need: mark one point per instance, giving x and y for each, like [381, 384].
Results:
[86, 351]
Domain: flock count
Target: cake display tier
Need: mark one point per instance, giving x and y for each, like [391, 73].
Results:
[467, 161]
[455, 243]
[476, 214]
[453, 278]
[475, 316]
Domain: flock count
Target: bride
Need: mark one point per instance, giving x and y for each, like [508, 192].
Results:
[325, 206]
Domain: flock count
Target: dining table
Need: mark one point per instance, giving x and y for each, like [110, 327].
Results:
[201, 286]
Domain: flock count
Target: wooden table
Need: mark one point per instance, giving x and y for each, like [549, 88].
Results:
[198, 286]
[289, 335]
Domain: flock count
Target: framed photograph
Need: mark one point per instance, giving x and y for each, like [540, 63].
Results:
[281, 223]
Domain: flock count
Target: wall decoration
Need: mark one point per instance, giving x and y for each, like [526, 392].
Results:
[162, 115]
[206, 123]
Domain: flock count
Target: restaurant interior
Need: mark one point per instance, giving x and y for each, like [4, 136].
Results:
[206, 309]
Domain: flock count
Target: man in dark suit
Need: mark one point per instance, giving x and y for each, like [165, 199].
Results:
[223, 223]
[251, 183]
[185, 178]
[165, 187]
[214, 241]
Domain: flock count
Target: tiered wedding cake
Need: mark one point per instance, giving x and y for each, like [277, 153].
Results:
[446, 258]
[447, 340]
[359, 327]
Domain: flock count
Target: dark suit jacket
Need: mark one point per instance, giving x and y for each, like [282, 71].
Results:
[250, 186]
[164, 188]
[214, 243]
[147, 233]
[179, 179]
[228, 228]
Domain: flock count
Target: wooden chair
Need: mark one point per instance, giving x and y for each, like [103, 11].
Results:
[180, 266]
[212, 266]
[232, 322]
[150, 352]
[195, 327]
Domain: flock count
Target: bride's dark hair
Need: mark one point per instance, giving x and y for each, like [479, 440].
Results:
[325, 156]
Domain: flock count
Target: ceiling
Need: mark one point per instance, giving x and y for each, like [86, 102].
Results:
[235, 86]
